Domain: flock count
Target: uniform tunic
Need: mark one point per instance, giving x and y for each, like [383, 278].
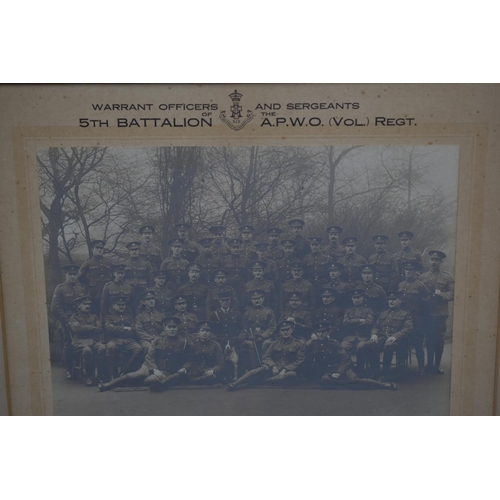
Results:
[187, 326]
[176, 267]
[63, 305]
[220, 250]
[443, 281]
[162, 298]
[212, 301]
[204, 356]
[315, 266]
[152, 254]
[353, 329]
[87, 339]
[285, 268]
[332, 313]
[227, 324]
[285, 354]
[113, 289]
[351, 273]
[334, 252]
[386, 270]
[190, 250]
[249, 250]
[148, 325]
[236, 266]
[118, 337]
[407, 253]
[376, 298]
[95, 272]
[301, 285]
[138, 273]
[275, 252]
[167, 354]
[342, 288]
[270, 295]
[210, 263]
[414, 296]
[197, 293]
[302, 246]
[329, 357]
[261, 320]
[395, 322]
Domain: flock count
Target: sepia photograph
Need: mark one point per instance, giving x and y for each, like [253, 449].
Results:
[259, 280]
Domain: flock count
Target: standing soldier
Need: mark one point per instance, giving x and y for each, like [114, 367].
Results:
[190, 250]
[248, 245]
[390, 333]
[208, 261]
[285, 264]
[148, 321]
[62, 308]
[297, 284]
[375, 297]
[148, 251]
[120, 336]
[296, 313]
[138, 272]
[302, 247]
[187, 325]
[206, 360]
[258, 282]
[164, 362]
[315, 262]
[271, 270]
[220, 285]
[414, 295]
[116, 288]
[175, 265]
[385, 264]
[95, 273]
[357, 323]
[406, 252]
[329, 311]
[442, 288]
[219, 247]
[335, 270]
[194, 290]
[280, 361]
[275, 251]
[334, 250]
[352, 262]
[163, 294]
[236, 265]
[87, 338]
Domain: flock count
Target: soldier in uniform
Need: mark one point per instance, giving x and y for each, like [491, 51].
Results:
[236, 265]
[195, 291]
[175, 265]
[208, 261]
[149, 251]
[385, 264]
[315, 262]
[271, 270]
[247, 243]
[116, 288]
[442, 288]
[120, 336]
[63, 306]
[335, 270]
[334, 250]
[297, 284]
[148, 321]
[86, 331]
[357, 322]
[257, 268]
[188, 321]
[206, 360]
[138, 272]
[375, 296]
[302, 247]
[390, 333]
[163, 366]
[301, 317]
[329, 311]
[285, 264]
[219, 247]
[331, 365]
[414, 296]
[352, 262]
[95, 273]
[163, 294]
[226, 319]
[220, 284]
[274, 251]
[190, 249]
[406, 252]
[259, 323]
[280, 361]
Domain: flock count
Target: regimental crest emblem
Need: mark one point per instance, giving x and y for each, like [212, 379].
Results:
[236, 120]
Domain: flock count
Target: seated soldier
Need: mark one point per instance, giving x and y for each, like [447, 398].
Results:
[391, 331]
[329, 311]
[164, 362]
[206, 359]
[280, 361]
[120, 337]
[86, 332]
[219, 278]
[148, 321]
[331, 365]
[302, 318]
[259, 324]
[357, 323]
[115, 288]
[187, 326]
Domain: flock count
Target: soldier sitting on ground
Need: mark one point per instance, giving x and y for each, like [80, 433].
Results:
[164, 362]
[281, 360]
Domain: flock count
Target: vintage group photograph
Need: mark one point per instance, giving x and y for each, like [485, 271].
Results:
[291, 280]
